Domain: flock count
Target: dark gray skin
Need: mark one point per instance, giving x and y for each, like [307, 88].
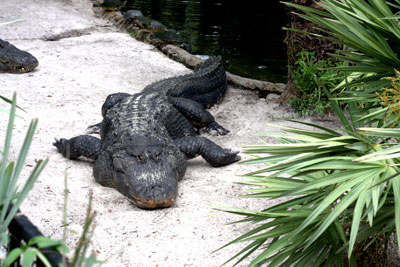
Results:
[146, 138]
[14, 60]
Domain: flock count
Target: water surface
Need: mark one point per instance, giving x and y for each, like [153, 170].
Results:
[247, 34]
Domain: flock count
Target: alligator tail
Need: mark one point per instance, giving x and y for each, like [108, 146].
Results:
[207, 85]
[207, 63]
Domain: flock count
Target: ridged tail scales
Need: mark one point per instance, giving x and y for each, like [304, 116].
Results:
[207, 85]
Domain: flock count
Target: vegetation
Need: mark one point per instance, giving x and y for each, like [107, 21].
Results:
[369, 33]
[339, 190]
[80, 257]
[13, 194]
[311, 78]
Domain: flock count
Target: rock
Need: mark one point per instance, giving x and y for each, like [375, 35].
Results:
[272, 97]
[181, 55]
[252, 84]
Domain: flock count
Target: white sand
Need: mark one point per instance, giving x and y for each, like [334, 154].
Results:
[66, 92]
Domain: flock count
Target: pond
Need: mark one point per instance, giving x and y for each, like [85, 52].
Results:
[248, 35]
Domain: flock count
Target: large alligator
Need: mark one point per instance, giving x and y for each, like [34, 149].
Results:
[14, 60]
[147, 137]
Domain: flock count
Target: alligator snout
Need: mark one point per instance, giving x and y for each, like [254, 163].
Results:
[148, 177]
[157, 192]
[15, 60]
[153, 204]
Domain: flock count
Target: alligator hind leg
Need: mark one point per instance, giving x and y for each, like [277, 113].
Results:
[197, 115]
[111, 101]
[83, 145]
[214, 154]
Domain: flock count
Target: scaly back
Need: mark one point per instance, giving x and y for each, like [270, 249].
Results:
[206, 85]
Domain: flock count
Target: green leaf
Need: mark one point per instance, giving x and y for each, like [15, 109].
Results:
[11, 21]
[396, 190]
[356, 221]
[44, 242]
[29, 257]
[44, 260]
[12, 256]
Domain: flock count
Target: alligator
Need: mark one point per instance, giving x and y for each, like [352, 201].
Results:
[14, 60]
[146, 138]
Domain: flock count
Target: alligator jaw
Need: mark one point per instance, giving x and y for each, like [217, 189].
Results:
[14, 60]
[152, 204]
[15, 68]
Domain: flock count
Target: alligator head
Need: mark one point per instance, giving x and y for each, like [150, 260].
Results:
[147, 174]
[14, 60]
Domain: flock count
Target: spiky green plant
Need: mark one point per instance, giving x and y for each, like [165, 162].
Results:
[370, 33]
[369, 28]
[11, 198]
[337, 191]
[311, 77]
[13, 194]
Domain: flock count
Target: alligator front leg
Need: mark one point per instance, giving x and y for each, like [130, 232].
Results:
[199, 146]
[111, 101]
[83, 145]
[197, 115]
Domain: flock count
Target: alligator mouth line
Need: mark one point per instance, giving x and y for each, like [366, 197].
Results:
[152, 204]
[18, 68]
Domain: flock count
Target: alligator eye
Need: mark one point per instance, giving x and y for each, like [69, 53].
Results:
[157, 156]
[140, 158]
[118, 165]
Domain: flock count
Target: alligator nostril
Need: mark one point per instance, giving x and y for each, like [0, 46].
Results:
[156, 192]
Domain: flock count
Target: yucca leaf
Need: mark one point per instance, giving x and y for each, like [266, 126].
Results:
[329, 131]
[379, 155]
[16, 172]
[356, 221]
[396, 191]
[333, 196]
[5, 182]
[395, 133]
[345, 202]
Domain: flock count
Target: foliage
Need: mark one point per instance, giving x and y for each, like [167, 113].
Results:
[338, 190]
[80, 258]
[370, 34]
[30, 252]
[390, 98]
[368, 28]
[11, 194]
[11, 199]
[311, 77]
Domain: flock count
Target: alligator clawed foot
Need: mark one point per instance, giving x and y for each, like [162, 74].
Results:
[215, 129]
[60, 144]
[226, 156]
[232, 155]
[94, 129]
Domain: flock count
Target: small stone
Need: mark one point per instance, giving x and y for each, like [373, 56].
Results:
[272, 97]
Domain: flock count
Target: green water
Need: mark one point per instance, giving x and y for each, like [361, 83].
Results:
[247, 34]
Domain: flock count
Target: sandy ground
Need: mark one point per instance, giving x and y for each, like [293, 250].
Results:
[66, 92]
